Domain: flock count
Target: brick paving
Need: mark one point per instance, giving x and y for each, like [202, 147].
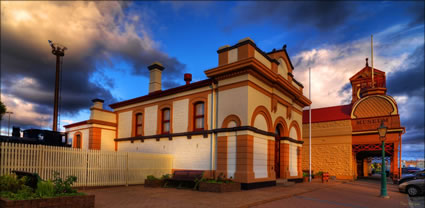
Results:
[358, 194]
[332, 194]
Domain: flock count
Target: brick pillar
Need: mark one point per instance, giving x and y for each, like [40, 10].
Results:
[244, 158]
[94, 138]
[284, 160]
[222, 155]
[394, 162]
[270, 160]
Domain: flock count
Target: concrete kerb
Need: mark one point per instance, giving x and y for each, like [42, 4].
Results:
[288, 195]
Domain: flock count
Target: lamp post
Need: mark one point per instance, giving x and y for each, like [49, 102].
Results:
[382, 130]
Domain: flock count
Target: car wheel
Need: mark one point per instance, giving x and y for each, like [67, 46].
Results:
[412, 191]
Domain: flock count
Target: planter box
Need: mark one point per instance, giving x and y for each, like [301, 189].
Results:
[86, 201]
[154, 183]
[219, 187]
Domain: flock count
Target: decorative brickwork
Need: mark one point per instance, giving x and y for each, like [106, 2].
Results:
[333, 158]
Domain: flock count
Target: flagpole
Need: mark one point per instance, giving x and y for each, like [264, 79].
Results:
[371, 48]
[309, 120]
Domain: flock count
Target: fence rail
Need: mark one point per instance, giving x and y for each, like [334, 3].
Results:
[92, 167]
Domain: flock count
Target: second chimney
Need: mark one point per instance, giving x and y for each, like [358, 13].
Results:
[155, 70]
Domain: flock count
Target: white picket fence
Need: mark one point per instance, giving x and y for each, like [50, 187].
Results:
[92, 167]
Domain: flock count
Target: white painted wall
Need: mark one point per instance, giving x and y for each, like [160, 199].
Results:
[293, 133]
[262, 59]
[293, 165]
[150, 120]
[125, 124]
[107, 140]
[233, 101]
[260, 157]
[282, 69]
[188, 153]
[231, 155]
[180, 115]
[103, 116]
[260, 122]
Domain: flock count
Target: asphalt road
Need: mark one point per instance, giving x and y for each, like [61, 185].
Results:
[417, 202]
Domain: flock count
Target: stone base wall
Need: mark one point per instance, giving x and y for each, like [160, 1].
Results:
[86, 201]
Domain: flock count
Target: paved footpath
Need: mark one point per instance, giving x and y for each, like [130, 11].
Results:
[332, 194]
[358, 194]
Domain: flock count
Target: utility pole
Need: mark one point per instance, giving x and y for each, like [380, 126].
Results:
[59, 51]
[8, 123]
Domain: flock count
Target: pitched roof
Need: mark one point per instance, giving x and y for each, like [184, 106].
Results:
[334, 113]
[158, 94]
[367, 69]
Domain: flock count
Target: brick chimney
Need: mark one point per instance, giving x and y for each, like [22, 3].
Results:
[187, 78]
[155, 70]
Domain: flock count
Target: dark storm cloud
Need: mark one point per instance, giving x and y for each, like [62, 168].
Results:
[28, 67]
[409, 81]
[324, 15]
[417, 13]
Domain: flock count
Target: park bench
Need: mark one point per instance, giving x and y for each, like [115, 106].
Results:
[191, 177]
[33, 178]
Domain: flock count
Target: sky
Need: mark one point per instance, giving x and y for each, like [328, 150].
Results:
[110, 44]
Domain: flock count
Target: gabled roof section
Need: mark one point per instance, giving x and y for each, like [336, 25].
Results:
[334, 113]
[366, 71]
[158, 94]
[285, 52]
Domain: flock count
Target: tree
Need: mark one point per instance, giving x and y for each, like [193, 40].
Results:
[2, 110]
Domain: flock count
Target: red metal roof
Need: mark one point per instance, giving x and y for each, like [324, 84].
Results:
[335, 113]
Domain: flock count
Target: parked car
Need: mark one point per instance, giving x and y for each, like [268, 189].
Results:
[410, 170]
[412, 176]
[413, 188]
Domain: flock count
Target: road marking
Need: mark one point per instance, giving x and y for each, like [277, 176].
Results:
[329, 202]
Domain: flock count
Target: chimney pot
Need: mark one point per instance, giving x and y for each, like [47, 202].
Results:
[188, 78]
[98, 103]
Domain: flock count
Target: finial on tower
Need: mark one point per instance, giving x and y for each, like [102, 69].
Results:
[367, 62]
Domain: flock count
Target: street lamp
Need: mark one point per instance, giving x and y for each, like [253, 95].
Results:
[382, 131]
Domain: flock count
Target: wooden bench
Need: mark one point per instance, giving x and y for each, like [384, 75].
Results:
[181, 177]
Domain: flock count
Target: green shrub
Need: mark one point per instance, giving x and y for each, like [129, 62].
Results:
[151, 178]
[305, 174]
[45, 189]
[63, 186]
[165, 176]
[320, 173]
[11, 183]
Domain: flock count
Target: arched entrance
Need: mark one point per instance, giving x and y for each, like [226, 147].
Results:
[279, 134]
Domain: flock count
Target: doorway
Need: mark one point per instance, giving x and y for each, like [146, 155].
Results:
[279, 134]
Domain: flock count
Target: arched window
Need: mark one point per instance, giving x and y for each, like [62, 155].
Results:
[139, 124]
[198, 116]
[166, 121]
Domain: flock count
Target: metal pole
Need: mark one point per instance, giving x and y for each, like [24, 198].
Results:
[373, 74]
[8, 123]
[309, 120]
[383, 174]
[55, 111]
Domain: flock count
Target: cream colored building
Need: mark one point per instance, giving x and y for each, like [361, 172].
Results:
[244, 121]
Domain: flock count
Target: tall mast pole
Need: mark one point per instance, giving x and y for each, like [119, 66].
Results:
[59, 51]
[309, 120]
[373, 73]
